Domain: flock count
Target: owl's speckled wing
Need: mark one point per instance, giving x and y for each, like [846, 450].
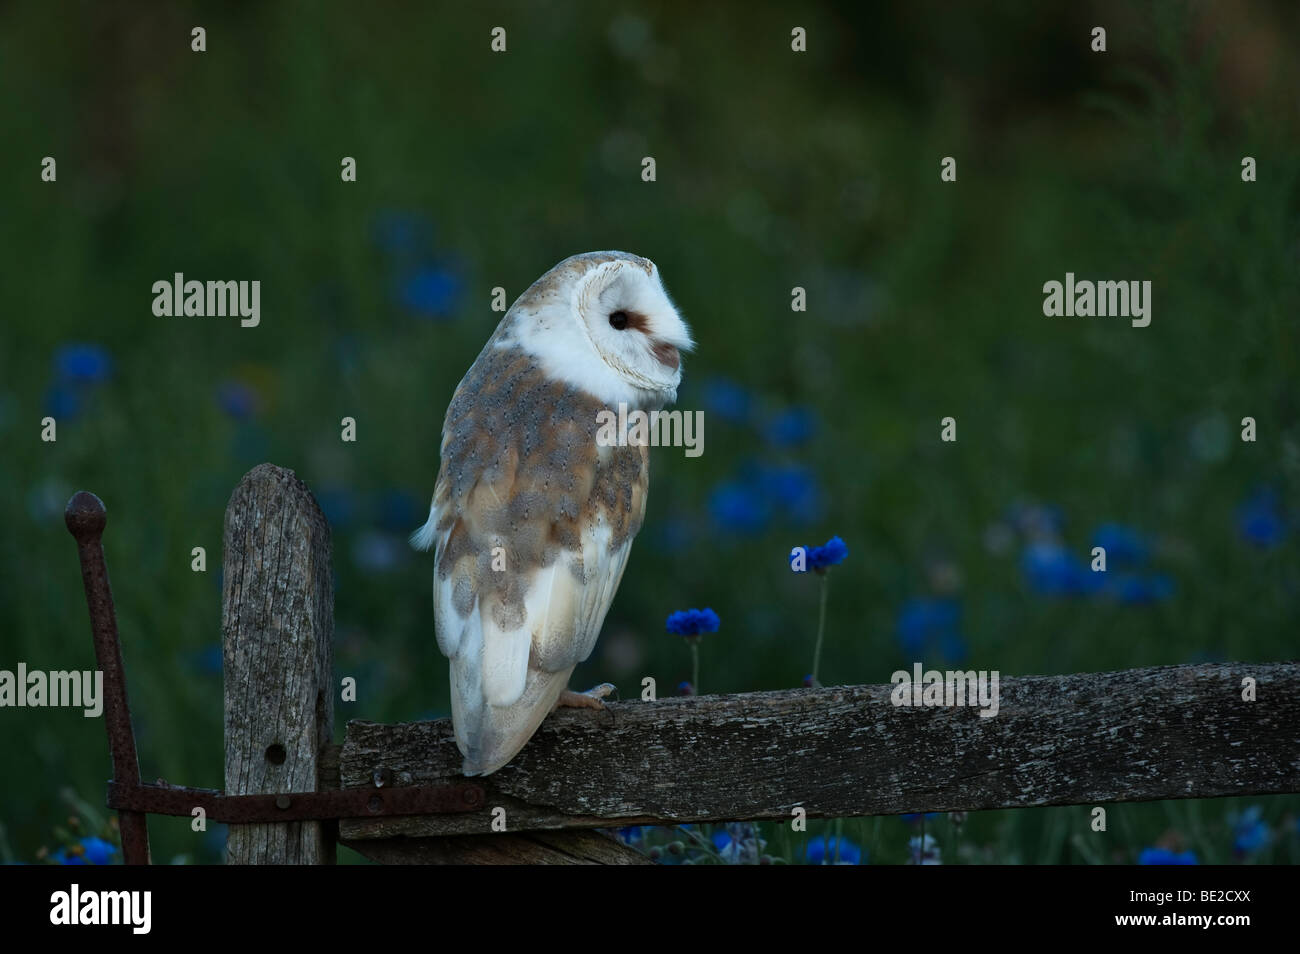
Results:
[533, 523]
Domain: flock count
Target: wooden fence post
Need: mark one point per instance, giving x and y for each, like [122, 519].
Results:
[277, 631]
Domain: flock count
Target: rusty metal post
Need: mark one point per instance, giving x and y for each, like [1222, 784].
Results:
[85, 517]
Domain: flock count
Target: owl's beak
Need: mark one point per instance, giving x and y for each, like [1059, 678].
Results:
[667, 355]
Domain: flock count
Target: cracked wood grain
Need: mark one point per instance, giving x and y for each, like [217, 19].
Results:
[1136, 735]
[277, 627]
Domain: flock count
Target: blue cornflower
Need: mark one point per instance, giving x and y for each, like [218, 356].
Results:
[1134, 590]
[62, 401]
[238, 399]
[1163, 856]
[1124, 546]
[739, 843]
[833, 851]
[913, 817]
[1249, 832]
[790, 427]
[726, 399]
[83, 363]
[430, 292]
[78, 368]
[630, 835]
[819, 559]
[1053, 570]
[684, 688]
[1259, 521]
[693, 622]
[94, 851]
[792, 490]
[737, 508]
[98, 851]
[923, 623]
[402, 233]
[828, 554]
[376, 552]
[924, 851]
[833, 551]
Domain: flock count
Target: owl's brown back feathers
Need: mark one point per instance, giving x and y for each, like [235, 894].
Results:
[533, 522]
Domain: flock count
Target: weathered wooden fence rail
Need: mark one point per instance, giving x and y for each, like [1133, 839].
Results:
[1144, 734]
[1137, 735]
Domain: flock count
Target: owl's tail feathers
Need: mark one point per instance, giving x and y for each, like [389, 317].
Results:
[422, 539]
[490, 736]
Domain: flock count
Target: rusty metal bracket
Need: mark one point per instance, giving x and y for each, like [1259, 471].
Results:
[134, 801]
[86, 518]
[166, 799]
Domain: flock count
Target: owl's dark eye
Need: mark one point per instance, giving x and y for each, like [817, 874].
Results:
[618, 320]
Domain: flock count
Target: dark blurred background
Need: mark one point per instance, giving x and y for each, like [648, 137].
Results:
[774, 170]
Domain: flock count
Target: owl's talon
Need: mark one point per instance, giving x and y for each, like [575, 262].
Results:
[591, 699]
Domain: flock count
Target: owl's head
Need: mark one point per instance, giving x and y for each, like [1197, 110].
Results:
[602, 321]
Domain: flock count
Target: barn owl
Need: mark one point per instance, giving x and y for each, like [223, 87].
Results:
[532, 517]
